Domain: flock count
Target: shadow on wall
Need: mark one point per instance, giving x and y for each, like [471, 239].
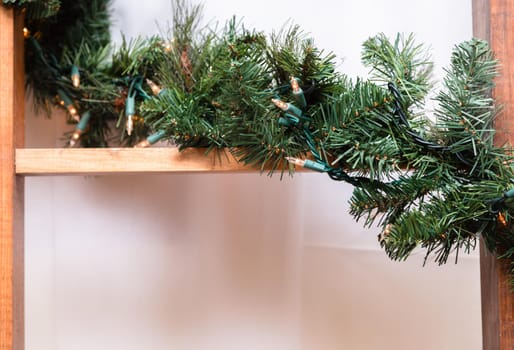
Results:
[177, 255]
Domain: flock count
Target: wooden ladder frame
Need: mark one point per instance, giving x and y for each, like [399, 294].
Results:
[492, 20]
[12, 87]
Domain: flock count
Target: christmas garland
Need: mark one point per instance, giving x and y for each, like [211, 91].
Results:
[278, 101]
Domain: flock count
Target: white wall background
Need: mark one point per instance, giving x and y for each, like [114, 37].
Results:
[239, 261]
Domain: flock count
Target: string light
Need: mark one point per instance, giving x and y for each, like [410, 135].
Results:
[68, 104]
[287, 107]
[298, 93]
[294, 85]
[130, 111]
[75, 76]
[319, 165]
[309, 164]
[280, 104]
[80, 128]
[150, 140]
[26, 33]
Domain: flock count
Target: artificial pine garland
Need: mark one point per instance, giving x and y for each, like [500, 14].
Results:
[279, 101]
[36, 8]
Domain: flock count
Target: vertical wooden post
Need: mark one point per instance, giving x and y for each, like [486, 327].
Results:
[493, 20]
[11, 187]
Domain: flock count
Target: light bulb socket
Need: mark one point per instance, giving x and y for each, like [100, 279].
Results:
[284, 122]
[316, 166]
[130, 106]
[509, 193]
[65, 98]
[84, 120]
[156, 137]
[292, 119]
[291, 108]
[300, 98]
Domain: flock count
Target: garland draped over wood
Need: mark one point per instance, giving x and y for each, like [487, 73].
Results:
[278, 99]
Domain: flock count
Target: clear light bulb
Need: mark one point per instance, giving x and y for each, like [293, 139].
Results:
[142, 144]
[280, 104]
[73, 112]
[296, 161]
[130, 111]
[130, 124]
[294, 85]
[156, 89]
[75, 137]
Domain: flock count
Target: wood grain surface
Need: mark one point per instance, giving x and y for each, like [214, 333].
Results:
[11, 187]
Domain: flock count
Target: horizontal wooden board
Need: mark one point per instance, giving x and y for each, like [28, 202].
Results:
[90, 161]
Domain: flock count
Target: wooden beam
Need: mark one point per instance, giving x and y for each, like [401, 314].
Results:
[94, 161]
[11, 187]
[493, 20]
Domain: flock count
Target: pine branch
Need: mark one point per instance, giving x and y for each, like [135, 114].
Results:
[466, 109]
[403, 63]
